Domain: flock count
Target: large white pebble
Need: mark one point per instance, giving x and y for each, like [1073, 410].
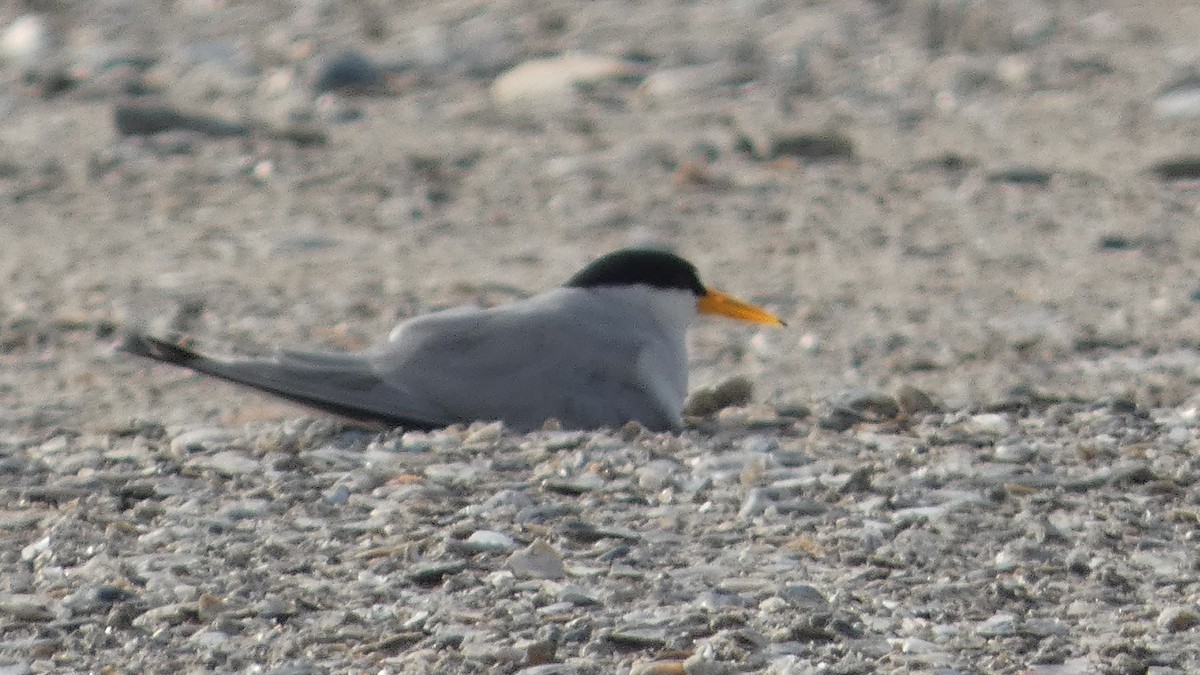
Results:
[550, 83]
[25, 41]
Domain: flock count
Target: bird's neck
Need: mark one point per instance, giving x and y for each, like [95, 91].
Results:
[670, 311]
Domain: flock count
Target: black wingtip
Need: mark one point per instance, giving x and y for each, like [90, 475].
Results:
[164, 351]
[148, 347]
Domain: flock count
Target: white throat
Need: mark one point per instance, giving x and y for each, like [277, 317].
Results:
[665, 315]
[672, 309]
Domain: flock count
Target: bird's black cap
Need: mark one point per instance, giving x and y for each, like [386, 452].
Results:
[650, 267]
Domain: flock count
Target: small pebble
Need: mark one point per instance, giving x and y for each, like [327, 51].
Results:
[36, 549]
[210, 638]
[639, 638]
[228, 463]
[25, 608]
[704, 402]
[1177, 619]
[435, 573]
[26, 41]
[145, 119]
[989, 425]
[1179, 100]
[577, 596]
[999, 625]
[754, 504]
[1014, 453]
[16, 668]
[338, 495]
[551, 83]
[490, 540]
[670, 667]
[201, 440]
[538, 561]
[350, 72]
[656, 475]
[913, 401]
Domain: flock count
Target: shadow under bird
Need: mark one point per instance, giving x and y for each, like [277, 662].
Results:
[607, 348]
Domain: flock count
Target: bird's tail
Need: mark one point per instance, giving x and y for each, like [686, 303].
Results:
[341, 384]
[167, 352]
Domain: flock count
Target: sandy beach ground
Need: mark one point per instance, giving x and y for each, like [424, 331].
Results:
[973, 449]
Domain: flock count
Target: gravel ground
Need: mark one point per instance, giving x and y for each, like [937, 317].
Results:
[972, 450]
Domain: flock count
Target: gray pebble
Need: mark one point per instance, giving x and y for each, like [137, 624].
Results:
[338, 495]
[656, 475]
[210, 638]
[26, 608]
[1014, 453]
[200, 440]
[171, 614]
[999, 625]
[247, 509]
[435, 573]
[38, 548]
[556, 609]
[228, 463]
[636, 637]
[1179, 100]
[1176, 619]
[746, 585]
[551, 669]
[349, 71]
[735, 391]
[699, 664]
[754, 504]
[577, 596]
[803, 595]
[538, 561]
[987, 425]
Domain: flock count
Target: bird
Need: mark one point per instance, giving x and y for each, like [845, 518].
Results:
[605, 349]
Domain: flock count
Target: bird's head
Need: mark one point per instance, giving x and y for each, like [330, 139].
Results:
[658, 270]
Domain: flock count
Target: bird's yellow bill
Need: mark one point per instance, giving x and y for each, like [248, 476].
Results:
[716, 302]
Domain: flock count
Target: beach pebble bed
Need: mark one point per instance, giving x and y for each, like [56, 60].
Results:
[1058, 538]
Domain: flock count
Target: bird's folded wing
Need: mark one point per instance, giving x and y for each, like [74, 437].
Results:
[521, 367]
[342, 384]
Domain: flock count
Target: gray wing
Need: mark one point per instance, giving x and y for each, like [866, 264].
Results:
[522, 363]
[343, 384]
[525, 363]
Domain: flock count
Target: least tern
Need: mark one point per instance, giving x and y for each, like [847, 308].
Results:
[605, 349]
